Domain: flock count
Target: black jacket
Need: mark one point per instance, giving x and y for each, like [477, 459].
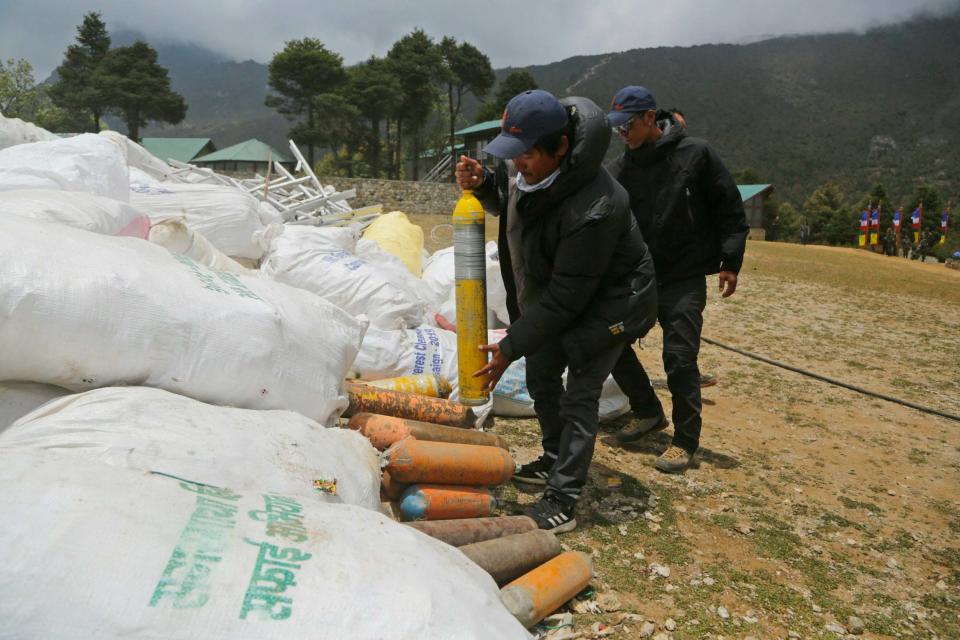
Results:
[588, 276]
[687, 205]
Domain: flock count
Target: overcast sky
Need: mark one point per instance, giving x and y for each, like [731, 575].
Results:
[512, 33]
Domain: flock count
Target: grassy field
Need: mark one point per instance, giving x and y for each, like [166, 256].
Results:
[809, 503]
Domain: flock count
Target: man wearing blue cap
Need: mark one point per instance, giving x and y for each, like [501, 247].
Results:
[578, 275]
[691, 215]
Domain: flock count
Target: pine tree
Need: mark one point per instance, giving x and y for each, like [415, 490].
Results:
[76, 89]
[300, 74]
[137, 88]
[416, 61]
[516, 82]
[467, 71]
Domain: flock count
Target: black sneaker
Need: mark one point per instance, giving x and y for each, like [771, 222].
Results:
[640, 427]
[535, 472]
[551, 514]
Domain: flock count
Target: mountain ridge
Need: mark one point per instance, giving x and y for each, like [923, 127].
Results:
[883, 106]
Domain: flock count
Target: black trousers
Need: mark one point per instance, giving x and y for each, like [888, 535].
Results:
[680, 314]
[568, 417]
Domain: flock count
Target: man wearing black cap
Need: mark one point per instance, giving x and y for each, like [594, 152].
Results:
[691, 215]
[578, 275]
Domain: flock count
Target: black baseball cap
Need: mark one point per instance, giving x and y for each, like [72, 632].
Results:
[528, 117]
[628, 101]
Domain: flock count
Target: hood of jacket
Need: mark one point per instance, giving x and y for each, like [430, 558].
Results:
[591, 137]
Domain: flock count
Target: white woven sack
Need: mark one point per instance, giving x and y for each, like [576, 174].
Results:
[87, 163]
[366, 281]
[80, 210]
[82, 311]
[155, 430]
[15, 131]
[105, 553]
[139, 158]
[228, 217]
[17, 399]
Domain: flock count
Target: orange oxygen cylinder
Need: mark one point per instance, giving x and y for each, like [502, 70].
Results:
[445, 502]
[535, 595]
[446, 463]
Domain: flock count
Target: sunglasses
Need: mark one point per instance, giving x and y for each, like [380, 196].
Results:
[624, 128]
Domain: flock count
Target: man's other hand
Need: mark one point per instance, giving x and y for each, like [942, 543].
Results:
[493, 369]
[728, 283]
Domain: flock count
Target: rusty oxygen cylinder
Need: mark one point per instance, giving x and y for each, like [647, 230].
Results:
[469, 530]
[367, 399]
[383, 431]
[512, 556]
[470, 264]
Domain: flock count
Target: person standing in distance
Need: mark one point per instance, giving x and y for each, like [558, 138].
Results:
[691, 215]
[578, 276]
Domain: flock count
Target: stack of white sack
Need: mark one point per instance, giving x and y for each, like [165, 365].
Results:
[103, 552]
[232, 220]
[76, 209]
[440, 277]
[152, 430]
[83, 311]
[17, 399]
[357, 276]
[14, 131]
[87, 163]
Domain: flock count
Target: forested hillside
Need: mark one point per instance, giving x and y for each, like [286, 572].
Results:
[858, 109]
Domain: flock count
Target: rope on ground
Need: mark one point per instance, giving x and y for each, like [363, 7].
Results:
[834, 381]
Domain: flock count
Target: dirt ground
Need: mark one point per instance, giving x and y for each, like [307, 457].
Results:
[808, 503]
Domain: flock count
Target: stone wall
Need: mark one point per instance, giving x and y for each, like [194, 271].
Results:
[399, 195]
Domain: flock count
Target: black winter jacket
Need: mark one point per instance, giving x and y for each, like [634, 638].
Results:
[588, 276]
[687, 205]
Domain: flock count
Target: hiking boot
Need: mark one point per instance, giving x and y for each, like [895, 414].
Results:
[535, 472]
[640, 427]
[552, 514]
[673, 460]
[707, 380]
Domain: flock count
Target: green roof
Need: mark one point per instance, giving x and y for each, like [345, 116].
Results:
[489, 125]
[748, 191]
[182, 149]
[250, 151]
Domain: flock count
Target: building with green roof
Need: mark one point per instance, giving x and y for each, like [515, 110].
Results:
[754, 196]
[476, 137]
[180, 149]
[250, 156]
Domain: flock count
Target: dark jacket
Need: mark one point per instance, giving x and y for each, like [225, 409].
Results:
[587, 274]
[687, 205]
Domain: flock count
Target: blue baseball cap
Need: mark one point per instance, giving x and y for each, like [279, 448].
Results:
[528, 117]
[628, 101]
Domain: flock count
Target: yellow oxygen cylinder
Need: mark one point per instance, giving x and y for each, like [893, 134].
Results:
[471, 292]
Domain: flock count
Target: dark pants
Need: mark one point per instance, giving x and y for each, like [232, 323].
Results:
[680, 313]
[568, 418]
